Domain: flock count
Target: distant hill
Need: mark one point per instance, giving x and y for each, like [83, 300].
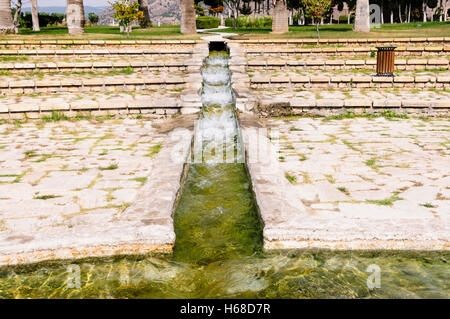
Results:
[87, 9]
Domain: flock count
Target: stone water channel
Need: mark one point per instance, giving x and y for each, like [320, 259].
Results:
[219, 244]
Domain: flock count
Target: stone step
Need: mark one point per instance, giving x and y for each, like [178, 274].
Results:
[324, 106]
[348, 51]
[338, 81]
[354, 41]
[94, 42]
[86, 85]
[62, 66]
[93, 52]
[340, 64]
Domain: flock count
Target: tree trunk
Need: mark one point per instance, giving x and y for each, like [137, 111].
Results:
[280, 22]
[400, 13]
[382, 12]
[188, 24]
[146, 22]
[75, 16]
[16, 16]
[392, 16]
[424, 11]
[317, 31]
[6, 21]
[35, 15]
[362, 16]
[409, 13]
[445, 10]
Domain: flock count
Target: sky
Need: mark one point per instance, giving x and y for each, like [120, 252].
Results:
[62, 3]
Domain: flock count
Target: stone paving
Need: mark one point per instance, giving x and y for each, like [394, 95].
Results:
[356, 183]
[72, 185]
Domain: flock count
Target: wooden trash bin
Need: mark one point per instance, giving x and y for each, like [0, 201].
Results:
[385, 61]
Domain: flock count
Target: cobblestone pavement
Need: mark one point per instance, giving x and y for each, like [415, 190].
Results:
[354, 182]
[64, 184]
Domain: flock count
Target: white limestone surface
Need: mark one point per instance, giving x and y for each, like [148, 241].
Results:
[88, 188]
[353, 183]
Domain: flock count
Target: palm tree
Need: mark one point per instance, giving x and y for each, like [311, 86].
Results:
[362, 16]
[6, 21]
[35, 15]
[75, 16]
[143, 6]
[188, 23]
[280, 22]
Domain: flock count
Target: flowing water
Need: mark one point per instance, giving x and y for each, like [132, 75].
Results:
[217, 216]
[218, 250]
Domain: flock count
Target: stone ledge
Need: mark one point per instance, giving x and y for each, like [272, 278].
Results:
[349, 64]
[431, 40]
[58, 104]
[85, 83]
[105, 52]
[356, 103]
[353, 81]
[97, 42]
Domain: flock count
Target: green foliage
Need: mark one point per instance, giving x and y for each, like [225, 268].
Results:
[93, 18]
[45, 19]
[316, 9]
[250, 22]
[344, 18]
[207, 22]
[246, 10]
[199, 10]
[127, 12]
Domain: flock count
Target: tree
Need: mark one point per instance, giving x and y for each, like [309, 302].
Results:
[362, 16]
[75, 16]
[199, 10]
[188, 22]
[233, 6]
[280, 21]
[127, 12]
[35, 15]
[17, 15]
[317, 10]
[146, 21]
[93, 18]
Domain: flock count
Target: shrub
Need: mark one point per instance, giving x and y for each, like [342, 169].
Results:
[93, 18]
[344, 18]
[250, 22]
[199, 10]
[207, 22]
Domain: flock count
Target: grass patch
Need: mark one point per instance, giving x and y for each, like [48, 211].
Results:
[344, 190]
[349, 115]
[109, 167]
[371, 163]
[292, 179]
[45, 197]
[428, 205]
[141, 180]
[385, 202]
[30, 154]
[154, 149]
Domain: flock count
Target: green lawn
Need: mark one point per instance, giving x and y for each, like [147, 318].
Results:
[102, 32]
[168, 32]
[429, 29]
